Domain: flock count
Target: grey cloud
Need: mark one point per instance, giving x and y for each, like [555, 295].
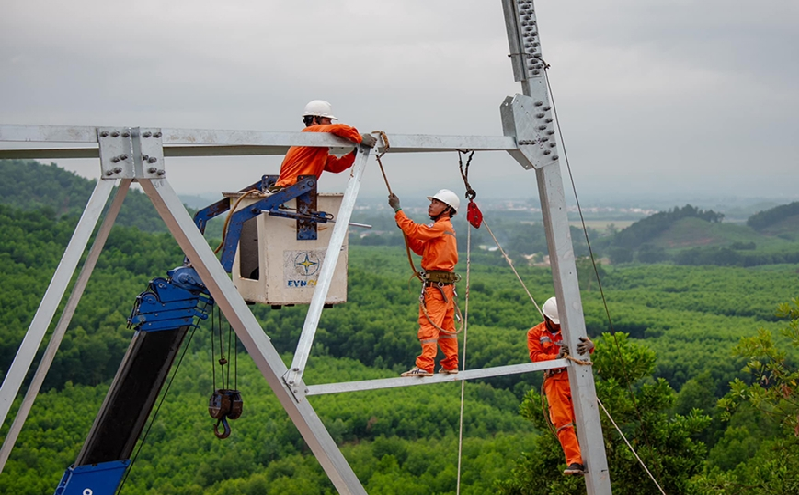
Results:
[686, 94]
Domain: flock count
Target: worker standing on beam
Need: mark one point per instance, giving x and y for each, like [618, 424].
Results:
[308, 160]
[437, 245]
[545, 342]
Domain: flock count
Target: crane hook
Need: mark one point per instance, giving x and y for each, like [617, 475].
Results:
[224, 434]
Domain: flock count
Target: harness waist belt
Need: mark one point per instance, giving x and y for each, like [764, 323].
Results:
[553, 372]
[440, 277]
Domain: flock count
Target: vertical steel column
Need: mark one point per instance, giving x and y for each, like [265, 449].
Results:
[529, 119]
[294, 375]
[251, 334]
[52, 298]
[63, 323]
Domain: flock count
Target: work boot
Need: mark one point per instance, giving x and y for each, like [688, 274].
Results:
[416, 372]
[574, 468]
[444, 371]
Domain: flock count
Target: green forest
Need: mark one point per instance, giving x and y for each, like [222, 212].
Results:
[696, 363]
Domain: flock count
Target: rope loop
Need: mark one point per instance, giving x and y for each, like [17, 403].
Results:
[470, 193]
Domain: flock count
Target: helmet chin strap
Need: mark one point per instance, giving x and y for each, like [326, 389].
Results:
[446, 210]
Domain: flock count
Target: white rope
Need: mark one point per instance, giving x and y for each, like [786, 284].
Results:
[510, 262]
[630, 446]
[463, 355]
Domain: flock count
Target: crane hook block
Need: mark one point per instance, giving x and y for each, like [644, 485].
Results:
[225, 404]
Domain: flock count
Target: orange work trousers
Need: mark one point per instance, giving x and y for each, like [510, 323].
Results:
[442, 314]
[561, 412]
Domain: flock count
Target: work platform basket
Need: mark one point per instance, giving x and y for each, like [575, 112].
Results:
[273, 267]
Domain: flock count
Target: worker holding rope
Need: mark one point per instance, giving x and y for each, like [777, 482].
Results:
[438, 247]
[545, 342]
[308, 160]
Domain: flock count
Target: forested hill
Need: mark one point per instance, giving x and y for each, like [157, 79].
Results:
[783, 219]
[30, 185]
[690, 236]
[649, 228]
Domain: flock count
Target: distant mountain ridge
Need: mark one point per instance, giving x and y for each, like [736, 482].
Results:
[30, 185]
[690, 236]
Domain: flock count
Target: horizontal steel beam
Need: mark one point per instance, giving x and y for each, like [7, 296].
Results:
[197, 142]
[514, 369]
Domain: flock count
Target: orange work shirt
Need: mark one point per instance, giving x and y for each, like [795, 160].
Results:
[435, 242]
[308, 160]
[545, 345]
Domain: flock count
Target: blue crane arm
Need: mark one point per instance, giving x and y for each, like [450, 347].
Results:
[161, 316]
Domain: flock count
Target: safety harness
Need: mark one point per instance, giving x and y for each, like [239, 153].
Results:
[439, 279]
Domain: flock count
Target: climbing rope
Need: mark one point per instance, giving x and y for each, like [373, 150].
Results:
[463, 354]
[510, 263]
[386, 146]
[630, 446]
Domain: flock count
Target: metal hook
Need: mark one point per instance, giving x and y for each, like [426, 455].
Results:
[226, 432]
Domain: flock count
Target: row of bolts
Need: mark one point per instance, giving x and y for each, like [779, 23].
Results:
[121, 158]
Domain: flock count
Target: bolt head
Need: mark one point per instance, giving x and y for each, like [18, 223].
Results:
[126, 134]
[151, 170]
[161, 171]
[157, 134]
[104, 134]
[115, 134]
[117, 170]
[152, 159]
[123, 157]
[147, 134]
[115, 159]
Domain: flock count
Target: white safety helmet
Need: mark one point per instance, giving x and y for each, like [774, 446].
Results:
[550, 310]
[448, 197]
[319, 108]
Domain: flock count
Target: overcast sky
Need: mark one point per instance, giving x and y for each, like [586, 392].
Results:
[678, 97]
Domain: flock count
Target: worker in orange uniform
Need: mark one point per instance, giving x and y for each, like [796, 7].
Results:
[308, 160]
[545, 342]
[437, 245]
